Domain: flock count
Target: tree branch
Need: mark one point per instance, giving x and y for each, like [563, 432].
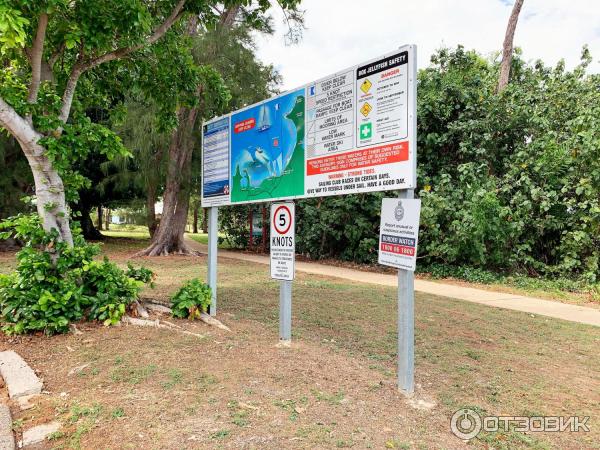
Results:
[81, 67]
[18, 127]
[36, 53]
[54, 57]
[507, 46]
[229, 15]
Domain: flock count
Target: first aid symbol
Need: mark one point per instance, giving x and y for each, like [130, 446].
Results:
[366, 130]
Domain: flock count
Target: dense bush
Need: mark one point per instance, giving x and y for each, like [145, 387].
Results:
[233, 221]
[53, 288]
[142, 274]
[192, 299]
[509, 182]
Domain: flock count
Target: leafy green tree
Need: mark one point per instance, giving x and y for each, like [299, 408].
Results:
[212, 46]
[142, 135]
[51, 47]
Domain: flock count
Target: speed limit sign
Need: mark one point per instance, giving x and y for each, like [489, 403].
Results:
[283, 241]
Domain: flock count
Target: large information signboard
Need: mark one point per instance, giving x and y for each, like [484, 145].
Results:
[351, 132]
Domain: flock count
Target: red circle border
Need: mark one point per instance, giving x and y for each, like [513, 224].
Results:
[275, 215]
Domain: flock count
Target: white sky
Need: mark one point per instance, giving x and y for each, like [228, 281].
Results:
[341, 33]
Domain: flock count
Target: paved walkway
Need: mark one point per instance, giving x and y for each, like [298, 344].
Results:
[565, 311]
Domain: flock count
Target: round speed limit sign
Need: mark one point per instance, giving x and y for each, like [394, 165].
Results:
[282, 219]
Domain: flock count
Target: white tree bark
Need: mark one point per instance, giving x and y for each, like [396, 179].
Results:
[49, 188]
[507, 47]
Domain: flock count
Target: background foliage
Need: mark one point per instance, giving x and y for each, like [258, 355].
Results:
[509, 182]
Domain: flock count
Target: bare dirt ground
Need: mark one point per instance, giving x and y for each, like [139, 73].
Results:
[335, 388]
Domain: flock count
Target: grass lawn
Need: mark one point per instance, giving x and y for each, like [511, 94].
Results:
[203, 239]
[518, 284]
[335, 388]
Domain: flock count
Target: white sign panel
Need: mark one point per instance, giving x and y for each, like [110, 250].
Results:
[351, 132]
[283, 241]
[215, 162]
[399, 233]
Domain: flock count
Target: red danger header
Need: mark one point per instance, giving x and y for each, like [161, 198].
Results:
[244, 125]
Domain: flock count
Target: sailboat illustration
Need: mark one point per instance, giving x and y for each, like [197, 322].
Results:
[264, 118]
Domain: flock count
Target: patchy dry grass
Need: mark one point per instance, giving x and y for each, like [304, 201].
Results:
[334, 389]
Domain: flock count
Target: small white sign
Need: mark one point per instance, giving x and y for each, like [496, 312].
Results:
[399, 233]
[283, 241]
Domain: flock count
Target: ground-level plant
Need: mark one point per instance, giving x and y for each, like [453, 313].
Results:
[191, 300]
[55, 284]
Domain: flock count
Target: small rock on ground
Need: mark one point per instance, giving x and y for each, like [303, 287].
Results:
[38, 434]
[7, 441]
[78, 369]
[25, 402]
[424, 405]
[18, 376]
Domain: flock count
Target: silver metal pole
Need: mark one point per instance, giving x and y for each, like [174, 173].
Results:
[406, 278]
[285, 311]
[213, 238]
[406, 324]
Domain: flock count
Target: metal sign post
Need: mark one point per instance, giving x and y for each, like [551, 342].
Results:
[285, 311]
[406, 278]
[213, 239]
[406, 323]
[283, 255]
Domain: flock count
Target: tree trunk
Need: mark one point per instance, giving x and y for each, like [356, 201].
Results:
[196, 210]
[205, 220]
[90, 232]
[151, 210]
[100, 218]
[107, 220]
[169, 236]
[250, 224]
[49, 189]
[50, 195]
[507, 46]
[264, 229]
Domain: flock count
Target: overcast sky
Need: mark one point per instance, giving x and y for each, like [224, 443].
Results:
[341, 33]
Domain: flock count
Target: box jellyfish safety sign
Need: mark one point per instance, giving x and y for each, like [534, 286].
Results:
[351, 132]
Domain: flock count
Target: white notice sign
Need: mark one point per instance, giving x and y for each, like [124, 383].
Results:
[399, 232]
[283, 241]
[350, 132]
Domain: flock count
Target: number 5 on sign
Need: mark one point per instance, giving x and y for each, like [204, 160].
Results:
[283, 241]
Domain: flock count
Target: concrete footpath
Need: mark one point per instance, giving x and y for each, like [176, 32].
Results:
[565, 311]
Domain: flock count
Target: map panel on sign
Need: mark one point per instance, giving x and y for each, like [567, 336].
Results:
[267, 149]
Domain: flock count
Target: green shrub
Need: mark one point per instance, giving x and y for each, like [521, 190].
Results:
[191, 300]
[55, 285]
[142, 274]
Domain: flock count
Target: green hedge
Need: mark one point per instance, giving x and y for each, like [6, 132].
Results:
[508, 182]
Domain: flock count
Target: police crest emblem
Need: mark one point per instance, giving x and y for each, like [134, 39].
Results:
[399, 211]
